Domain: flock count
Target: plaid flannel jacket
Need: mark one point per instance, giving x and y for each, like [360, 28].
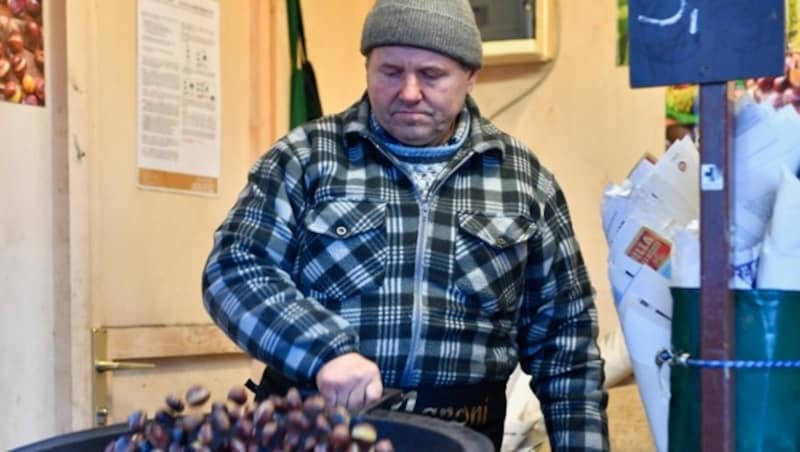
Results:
[329, 249]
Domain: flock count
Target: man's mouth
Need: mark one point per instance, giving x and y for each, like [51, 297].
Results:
[410, 114]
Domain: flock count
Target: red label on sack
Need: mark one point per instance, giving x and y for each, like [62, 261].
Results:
[649, 249]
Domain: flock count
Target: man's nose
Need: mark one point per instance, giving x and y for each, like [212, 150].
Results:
[410, 91]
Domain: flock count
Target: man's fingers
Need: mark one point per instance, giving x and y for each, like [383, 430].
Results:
[330, 393]
[346, 395]
[369, 391]
[341, 396]
[374, 390]
[356, 398]
[327, 396]
[350, 380]
[335, 395]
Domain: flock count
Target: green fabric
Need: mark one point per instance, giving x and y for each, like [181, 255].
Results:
[767, 418]
[293, 13]
[298, 112]
[303, 99]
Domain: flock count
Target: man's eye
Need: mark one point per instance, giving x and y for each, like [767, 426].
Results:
[432, 74]
[391, 72]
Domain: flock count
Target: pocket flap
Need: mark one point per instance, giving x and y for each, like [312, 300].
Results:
[343, 218]
[497, 230]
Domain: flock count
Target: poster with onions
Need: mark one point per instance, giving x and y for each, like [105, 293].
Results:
[22, 52]
[784, 89]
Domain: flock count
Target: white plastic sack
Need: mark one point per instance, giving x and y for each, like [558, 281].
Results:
[780, 255]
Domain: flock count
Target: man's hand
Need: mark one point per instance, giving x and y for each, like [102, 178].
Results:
[350, 380]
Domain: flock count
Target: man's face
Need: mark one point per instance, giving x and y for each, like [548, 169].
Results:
[416, 94]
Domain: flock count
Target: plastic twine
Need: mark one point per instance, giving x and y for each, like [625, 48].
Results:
[685, 360]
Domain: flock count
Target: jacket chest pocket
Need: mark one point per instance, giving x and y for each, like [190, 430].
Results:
[343, 249]
[491, 254]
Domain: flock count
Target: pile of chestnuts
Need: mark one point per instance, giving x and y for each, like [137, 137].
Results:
[21, 52]
[277, 423]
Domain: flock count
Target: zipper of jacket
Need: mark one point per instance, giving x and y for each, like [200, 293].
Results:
[419, 259]
[416, 310]
[419, 263]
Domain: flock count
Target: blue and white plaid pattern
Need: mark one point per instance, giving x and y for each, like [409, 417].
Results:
[319, 257]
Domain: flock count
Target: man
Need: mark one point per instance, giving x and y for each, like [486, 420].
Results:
[406, 242]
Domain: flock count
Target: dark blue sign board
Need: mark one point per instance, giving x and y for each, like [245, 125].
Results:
[704, 41]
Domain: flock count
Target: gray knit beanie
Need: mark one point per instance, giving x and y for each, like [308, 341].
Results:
[443, 26]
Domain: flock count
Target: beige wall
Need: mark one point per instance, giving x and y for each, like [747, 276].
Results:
[582, 120]
[33, 256]
[28, 255]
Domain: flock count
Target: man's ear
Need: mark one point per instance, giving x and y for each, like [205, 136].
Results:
[471, 79]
